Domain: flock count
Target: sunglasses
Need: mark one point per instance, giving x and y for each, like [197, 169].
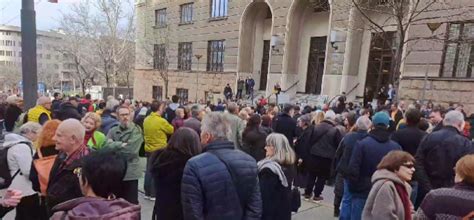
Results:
[409, 166]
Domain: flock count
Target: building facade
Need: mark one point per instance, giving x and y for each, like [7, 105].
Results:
[53, 67]
[312, 48]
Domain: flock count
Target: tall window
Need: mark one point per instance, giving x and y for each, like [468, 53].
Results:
[459, 51]
[157, 93]
[186, 13]
[219, 8]
[160, 17]
[159, 56]
[185, 55]
[182, 94]
[215, 55]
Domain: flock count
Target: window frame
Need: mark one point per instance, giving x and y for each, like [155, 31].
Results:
[182, 9]
[215, 65]
[222, 11]
[182, 99]
[159, 56]
[185, 56]
[457, 41]
[158, 22]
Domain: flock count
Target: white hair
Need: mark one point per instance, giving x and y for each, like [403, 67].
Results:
[363, 123]
[30, 127]
[216, 124]
[330, 115]
[111, 104]
[284, 154]
[453, 118]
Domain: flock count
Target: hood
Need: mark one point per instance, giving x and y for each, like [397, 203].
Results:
[88, 207]
[12, 139]
[174, 106]
[386, 175]
[381, 135]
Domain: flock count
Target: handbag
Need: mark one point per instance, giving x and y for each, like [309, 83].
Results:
[43, 166]
[295, 199]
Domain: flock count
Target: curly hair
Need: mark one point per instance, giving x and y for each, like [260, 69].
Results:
[45, 137]
[95, 117]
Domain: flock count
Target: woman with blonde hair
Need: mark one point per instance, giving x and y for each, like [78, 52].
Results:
[93, 138]
[276, 174]
[317, 117]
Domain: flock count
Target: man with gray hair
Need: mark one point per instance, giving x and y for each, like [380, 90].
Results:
[63, 184]
[236, 124]
[343, 156]
[221, 183]
[438, 153]
[194, 122]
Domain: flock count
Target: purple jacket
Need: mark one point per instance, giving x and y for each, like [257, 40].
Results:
[96, 208]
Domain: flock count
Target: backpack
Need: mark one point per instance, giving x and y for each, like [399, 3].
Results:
[5, 177]
[43, 166]
[169, 114]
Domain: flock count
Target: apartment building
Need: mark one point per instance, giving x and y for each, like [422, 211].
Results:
[312, 48]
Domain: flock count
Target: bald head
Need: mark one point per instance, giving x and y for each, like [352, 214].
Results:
[69, 136]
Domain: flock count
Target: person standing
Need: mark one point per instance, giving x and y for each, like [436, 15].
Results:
[250, 84]
[276, 174]
[93, 138]
[302, 147]
[68, 110]
[41, 112]
[228, 92]
[127, 138]
[253, 138]
[156, 131]
[240, 88]
[12, 112]
[19, 158]
[366, 155]
[325, 140]
[58, 99]
[63, 184]
[222, 182]
[438, 153]
[178, 121]
[170, 112]
[395, 116]
[167, 167]
[436, 118]
[389, 197]
[285, 124]
[194, 122]
[236, 124]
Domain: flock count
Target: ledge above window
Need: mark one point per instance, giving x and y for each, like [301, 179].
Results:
[211, 19]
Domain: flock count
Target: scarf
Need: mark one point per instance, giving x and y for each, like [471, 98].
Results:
[81, 152]
[88, 136]
[402, 192]
[275, 168]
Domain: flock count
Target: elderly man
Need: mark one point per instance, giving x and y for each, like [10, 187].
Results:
[222, 182]
[127, 138]
[63, 183]
[194, 122]
[237, 126]
[438, 153]
[41, 112]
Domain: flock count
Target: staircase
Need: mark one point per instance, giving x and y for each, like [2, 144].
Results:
[309, 99]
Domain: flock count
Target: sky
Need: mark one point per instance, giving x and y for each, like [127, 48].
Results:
[47, 13]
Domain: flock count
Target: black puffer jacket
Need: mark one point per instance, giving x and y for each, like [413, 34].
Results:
[326, 138]
[208, 190]
[11, 115]
[437, 155]
[67, 111]
[254, 142]
[286, 125]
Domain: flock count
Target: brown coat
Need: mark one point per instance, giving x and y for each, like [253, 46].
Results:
[383, 201]
[96, 208]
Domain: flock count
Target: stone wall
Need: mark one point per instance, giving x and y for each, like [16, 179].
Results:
[440, 92]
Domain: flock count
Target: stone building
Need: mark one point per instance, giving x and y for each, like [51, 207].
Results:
[312, 48]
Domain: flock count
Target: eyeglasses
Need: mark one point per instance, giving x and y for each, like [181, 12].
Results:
[78, 172]
[409, 165]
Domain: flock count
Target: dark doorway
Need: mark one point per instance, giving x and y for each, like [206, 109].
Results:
[157, 93]
[379, 69]
[265, 61]
[317, 55]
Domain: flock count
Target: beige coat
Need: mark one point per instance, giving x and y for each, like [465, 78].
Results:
[383, 201]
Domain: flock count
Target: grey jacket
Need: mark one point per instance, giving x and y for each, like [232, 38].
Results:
[20, 157]
[383, 201]
[237, 127]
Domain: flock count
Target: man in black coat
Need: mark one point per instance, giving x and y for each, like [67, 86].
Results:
[68, 110]
[324, 142]
[12, 112]
[438, 153]
[285, 124]
[220, 183]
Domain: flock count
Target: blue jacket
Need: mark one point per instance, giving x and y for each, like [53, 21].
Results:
[208, 190]
[366, 155]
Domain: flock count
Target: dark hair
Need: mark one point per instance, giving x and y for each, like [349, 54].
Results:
[186, 141]
[103, 170]
[266, 121]
[155, 105]
[413, 116]
[175, 98]
[287, 108]
[101, 105]
[56, 94]
[394, 160]
[423, 124]
[88, 96]
[253, 122]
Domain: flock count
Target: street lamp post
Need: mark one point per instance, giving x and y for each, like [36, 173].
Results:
[198, 57]
[28, 55]
[433, 27]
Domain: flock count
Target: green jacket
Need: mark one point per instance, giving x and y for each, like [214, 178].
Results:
[99, 139]
[128, 142]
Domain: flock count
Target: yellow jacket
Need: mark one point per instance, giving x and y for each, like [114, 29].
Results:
[35, 113]
[155, 131]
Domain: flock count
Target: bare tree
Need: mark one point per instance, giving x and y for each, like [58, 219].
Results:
[10, 76]
[48, 75]
[108, 28]
[400, 15]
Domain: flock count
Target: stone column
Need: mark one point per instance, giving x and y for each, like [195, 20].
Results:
[353, 46]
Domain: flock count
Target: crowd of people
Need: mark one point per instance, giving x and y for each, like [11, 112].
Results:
[72, 157]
